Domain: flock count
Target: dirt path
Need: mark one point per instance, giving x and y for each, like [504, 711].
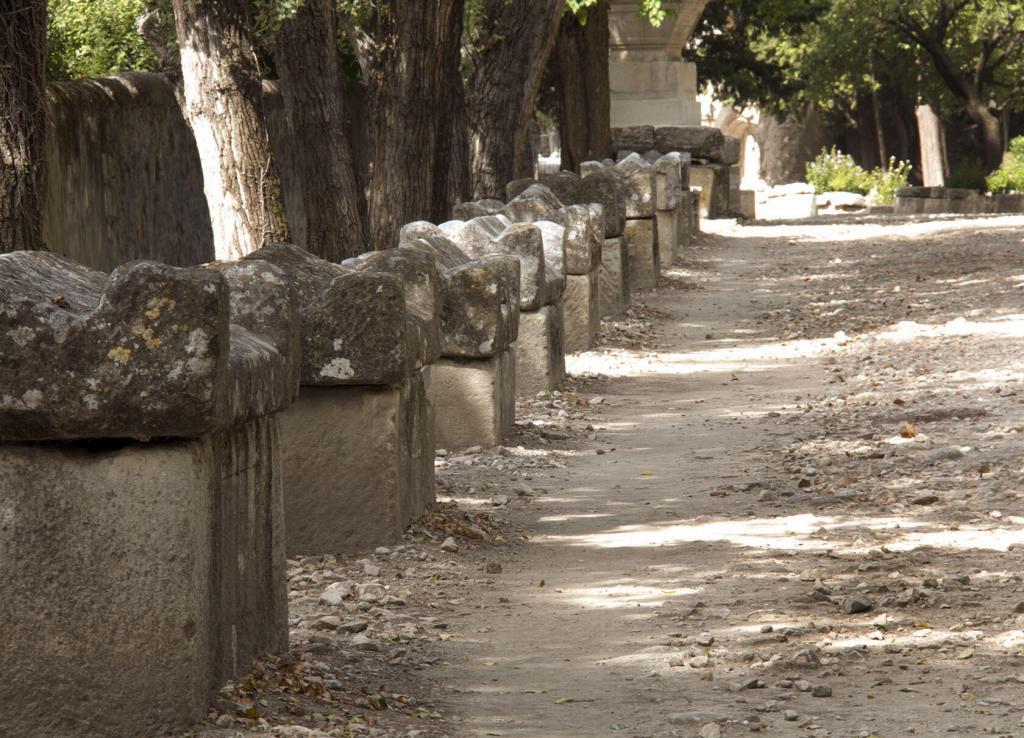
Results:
[757, 476]
[786, 496]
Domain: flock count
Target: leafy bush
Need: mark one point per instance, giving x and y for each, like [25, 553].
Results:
[834, 171]
[94, 38]
[887, 182]
[1009, 177]
[968, 174]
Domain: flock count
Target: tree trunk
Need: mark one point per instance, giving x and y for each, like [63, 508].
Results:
[409, 110]
[967, 89]
[22, 123]
[876, 109]
[519, 36]
[306, 54]
[579, 69]
[451, 159]
[990, 131]
[223, 103]
[929, 133]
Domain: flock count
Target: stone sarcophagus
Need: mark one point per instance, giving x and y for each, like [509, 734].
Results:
[141, 527]
[472, 386]
[600, 187]
[641, 233]
[357, 445]
[539, 246]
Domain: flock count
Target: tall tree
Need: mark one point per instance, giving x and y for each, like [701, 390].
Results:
[306, 55]
[22, 123]
[452, 183]
[784, 54]
[579, 72]
[222, 97]
[509, 50]
[976, 49]
[402, 47]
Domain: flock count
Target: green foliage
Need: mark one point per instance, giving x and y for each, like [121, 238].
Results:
[783, 54]
[834, 171]
[268, 15]
[968, 174]
[753, 51]
[93, 38]
[653, 10]
[1009, 177]
[885, 183]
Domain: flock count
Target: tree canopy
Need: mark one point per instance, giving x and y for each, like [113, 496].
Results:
[87, 38]
[957, 55]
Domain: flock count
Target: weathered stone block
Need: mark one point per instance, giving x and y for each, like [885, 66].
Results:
[474, 400]
[264, 306]
[668, 236]
[565, 186]
[489, 236]
[148, 351]
[480, 299]
[354, 465]
[686, 232]
[604, 188]
[730, 150]
[536, 202]
[787, 202]
[713, 179]
[581, 311]
[748, 204]
[136, 578]
[641, 238]
[668, 180]
[701, 142]
[553, 237]
[76, 347]
[584, 234]
[614, 277]
[633, 138]
[354, 324]
[470, 210]
[419, 229]
[540, 351]
[417, 270]
[638, 174]
[517, 186]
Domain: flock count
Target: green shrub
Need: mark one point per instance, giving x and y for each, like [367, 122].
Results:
[886, 182]
[94, 38]
[834, 171]
[1009, 177]
[968, 174]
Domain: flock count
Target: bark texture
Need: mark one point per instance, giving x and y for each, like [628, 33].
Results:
[579, 70]
[410, 120]
[22, 123]
[306, 54]
[223, 103]
[451, 157]
[516, 39]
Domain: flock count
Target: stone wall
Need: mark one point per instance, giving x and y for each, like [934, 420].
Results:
[123, 175]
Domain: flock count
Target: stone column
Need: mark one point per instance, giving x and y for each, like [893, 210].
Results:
[650, 83]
